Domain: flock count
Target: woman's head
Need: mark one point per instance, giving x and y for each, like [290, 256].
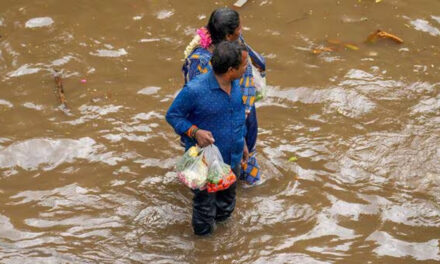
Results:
[224, 24]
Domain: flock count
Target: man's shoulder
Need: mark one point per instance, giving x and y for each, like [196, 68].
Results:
[198, 84]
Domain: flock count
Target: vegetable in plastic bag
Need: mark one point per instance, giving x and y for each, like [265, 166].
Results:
[192, 169]
[220, 176]
[260, 82]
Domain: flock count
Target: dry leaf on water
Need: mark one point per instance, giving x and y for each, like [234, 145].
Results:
[351, 46]
[323, 49]
[335, 44]
[379, 34]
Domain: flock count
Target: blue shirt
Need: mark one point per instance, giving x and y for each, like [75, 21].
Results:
[203, 103]
[198, 62]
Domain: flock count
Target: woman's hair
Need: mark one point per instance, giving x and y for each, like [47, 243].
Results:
[223, 21]
[226, 55]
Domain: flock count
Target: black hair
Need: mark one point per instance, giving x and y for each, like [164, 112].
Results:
[223, 21]
[227, 54]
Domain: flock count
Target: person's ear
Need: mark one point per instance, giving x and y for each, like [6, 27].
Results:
[229, 37]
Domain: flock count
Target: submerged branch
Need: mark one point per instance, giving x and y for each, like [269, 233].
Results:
[60, 92]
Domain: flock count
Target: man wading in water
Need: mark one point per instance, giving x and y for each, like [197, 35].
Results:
[224, 25]
[209, 110]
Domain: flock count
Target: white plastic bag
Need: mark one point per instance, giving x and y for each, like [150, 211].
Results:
[259, 82]
[192, 169]
[220, 176]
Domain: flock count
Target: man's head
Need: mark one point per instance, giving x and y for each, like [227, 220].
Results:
[229, 59]
[224, 24]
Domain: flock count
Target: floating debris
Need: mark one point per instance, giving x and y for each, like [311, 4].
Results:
[335, 44]
[60, 92]
[321, 50]
[351, 46]
[379, 34]
[293, 159]
[60, 88]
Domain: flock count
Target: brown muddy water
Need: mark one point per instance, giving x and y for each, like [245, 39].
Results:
[96, 184]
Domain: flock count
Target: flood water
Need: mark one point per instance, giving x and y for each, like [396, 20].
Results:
[94, 183]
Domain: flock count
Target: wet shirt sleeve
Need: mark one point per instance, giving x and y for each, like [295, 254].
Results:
[177, 115]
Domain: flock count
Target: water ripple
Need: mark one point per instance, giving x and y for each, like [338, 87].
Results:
[6, 103]
[425, 26]
[32, 153]
[109, 53]
[39, 22]
[391, 246]
[414, 212]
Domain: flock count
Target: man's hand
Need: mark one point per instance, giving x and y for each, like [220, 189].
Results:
[204, 138]
[245, 154]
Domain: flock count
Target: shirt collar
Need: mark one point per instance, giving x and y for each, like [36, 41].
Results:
[212, 81]
[213, 84]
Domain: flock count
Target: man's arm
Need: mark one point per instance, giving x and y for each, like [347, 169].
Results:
[179, 110]
[177, 115]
